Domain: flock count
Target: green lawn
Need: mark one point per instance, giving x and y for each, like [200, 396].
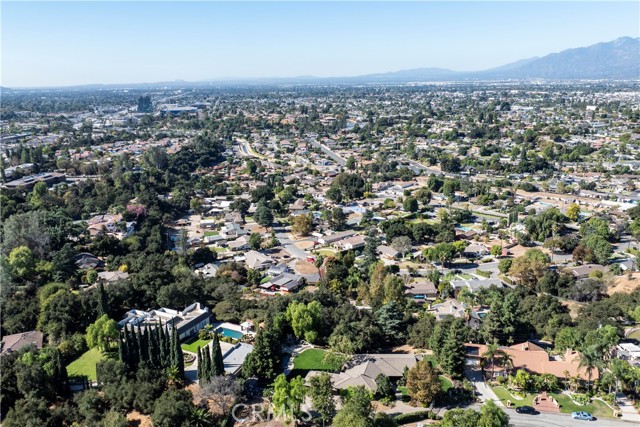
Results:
[504, 395]
[210, 233]
[193, 345]
[446, 384]
[465, 276]
[597, 408]
[635, 335]
[218, 249]
[309, 360]
[86, 364]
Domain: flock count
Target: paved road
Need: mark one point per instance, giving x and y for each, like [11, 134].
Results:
[328, 152]
[559, 420]
[287, 244]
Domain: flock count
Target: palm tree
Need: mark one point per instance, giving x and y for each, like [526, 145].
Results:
[494, 352]
[590, 360]
[201, 417]
[173, 375]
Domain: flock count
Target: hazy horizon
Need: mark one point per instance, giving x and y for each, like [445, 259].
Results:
[46, 44]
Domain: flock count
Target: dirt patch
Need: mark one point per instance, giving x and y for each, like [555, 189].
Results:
[407, 349]
[304, 244]
[518, 250]
[136, 419]
[304, 267]
[255, 228]
[573, 307]
[624, 284]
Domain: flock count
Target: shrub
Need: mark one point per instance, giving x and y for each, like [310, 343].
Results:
[582, 399]
[416, 416]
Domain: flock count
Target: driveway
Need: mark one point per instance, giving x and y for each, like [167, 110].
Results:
[484, 392]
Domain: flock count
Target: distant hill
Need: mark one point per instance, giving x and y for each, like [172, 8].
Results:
[615, 60]
[618, 59]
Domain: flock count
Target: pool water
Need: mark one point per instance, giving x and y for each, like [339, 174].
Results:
[230, 333]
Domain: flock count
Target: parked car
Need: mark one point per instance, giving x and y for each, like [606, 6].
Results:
[582, 416]
[526, 410]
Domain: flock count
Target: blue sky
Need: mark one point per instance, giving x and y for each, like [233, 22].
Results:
[66, 43]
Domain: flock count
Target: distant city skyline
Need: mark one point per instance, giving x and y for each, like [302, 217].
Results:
[74, 43]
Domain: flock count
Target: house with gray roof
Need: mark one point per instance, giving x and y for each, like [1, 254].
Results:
[15, 342]
[187, 322]
[364, 369]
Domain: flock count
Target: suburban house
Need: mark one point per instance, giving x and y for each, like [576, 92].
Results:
[460, 310]
[532, 358]
[278, 269]
[239, 244]
[583, 271]
[421, 289]
[366, 367]
[353, 242]
[208, 270]
[387, 252]
[258, 261]
[15, 342]
[108, 277]
[187, 322]
[330, 239]
[475, 250]
[87, 261]
[629, 352]
[285, 282]
[112, 225]
[475, 285]
[232, 230]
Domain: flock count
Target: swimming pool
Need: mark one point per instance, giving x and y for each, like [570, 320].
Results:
[230, 333]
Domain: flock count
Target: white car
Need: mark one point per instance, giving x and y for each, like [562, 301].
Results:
[582, 416]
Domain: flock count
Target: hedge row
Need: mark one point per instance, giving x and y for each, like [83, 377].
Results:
[416, 416]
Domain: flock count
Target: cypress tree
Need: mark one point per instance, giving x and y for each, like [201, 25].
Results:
[206, 365]
[169, 346]
[122, 352]
[216, 355]
[133, 348]
[177, 353]
[199, 361]
[61, 380]
[142, 346]
[161, 347]
[103, 302]
[149, 345]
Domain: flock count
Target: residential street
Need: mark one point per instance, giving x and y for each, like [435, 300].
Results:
[560, 420]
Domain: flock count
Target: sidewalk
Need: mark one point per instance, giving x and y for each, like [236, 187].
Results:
[626, 409]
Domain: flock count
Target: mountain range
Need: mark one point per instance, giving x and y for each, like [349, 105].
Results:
[615, 60]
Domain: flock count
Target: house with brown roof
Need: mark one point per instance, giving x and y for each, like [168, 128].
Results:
[15, 342]
[531, 358]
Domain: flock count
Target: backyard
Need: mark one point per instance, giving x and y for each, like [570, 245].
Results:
[309, 360]
[85, 365]
[567, 406]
